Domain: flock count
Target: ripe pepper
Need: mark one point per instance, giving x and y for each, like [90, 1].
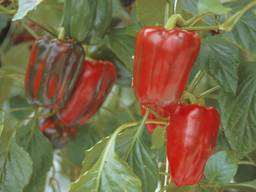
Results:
[94, 83]
[191, 138]
[162, 64]
[52, 71]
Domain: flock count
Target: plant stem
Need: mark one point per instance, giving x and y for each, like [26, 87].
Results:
[176, 6]
[6, 11]
[196, 80]
[230, 22]
[191, 22]
[50, 31]
[29, 30]
[61, 35]
[202, 28]
[174, 20]
[166, 174]
[189, 96]
[247, 163]
[209, 91]
[166, 13]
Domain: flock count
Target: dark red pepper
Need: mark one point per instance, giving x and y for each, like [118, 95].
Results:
[94, 83]
[163, 61]
[52, 71]
[191, 138]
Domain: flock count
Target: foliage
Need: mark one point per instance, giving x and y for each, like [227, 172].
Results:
[108, 153]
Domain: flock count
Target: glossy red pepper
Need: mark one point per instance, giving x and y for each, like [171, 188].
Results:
[94, 83]
[162, 64]
[52, 71]
[191, 138]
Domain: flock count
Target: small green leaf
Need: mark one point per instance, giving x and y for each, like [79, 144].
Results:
[40, 150]
[24, 7]
[238, 112]
[213, 6]
[245, 29]
[19, 62]
[141, 160]
[2, 115]
[118, 11]
[221, 167]
[220, 58]
[121, 43]
[23, 108]
[158, 138]
[15, 165]
[109, 173]
[122, 145]
[4, 20]
[195, 188]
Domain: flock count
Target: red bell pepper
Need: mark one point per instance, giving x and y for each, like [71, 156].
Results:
[94, 83]
[162, 64]
[191, 138]
[52, 71]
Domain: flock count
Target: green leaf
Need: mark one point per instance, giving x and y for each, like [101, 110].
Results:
[221, 167]
[140, 158]
[238, 112]
[121, 43]
[5, 88]
[245, 186]
[244, 31]
[195, 188]
[2, 114]
[122, 145]
[213, 6]
[93, 154]
[118, 11]
[40, 150]
[18, 63]
[49, 14]
[158, 138]
[24, 7]
[190, 6]
[150, 12]
[109, 173]
[74, 150]
[19, 102]
[4, 20]
[15, 165]
[220, 59]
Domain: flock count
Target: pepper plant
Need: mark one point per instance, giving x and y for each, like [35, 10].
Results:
[127, 95]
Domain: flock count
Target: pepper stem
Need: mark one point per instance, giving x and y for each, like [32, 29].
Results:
[61, 35]
[174, 20]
